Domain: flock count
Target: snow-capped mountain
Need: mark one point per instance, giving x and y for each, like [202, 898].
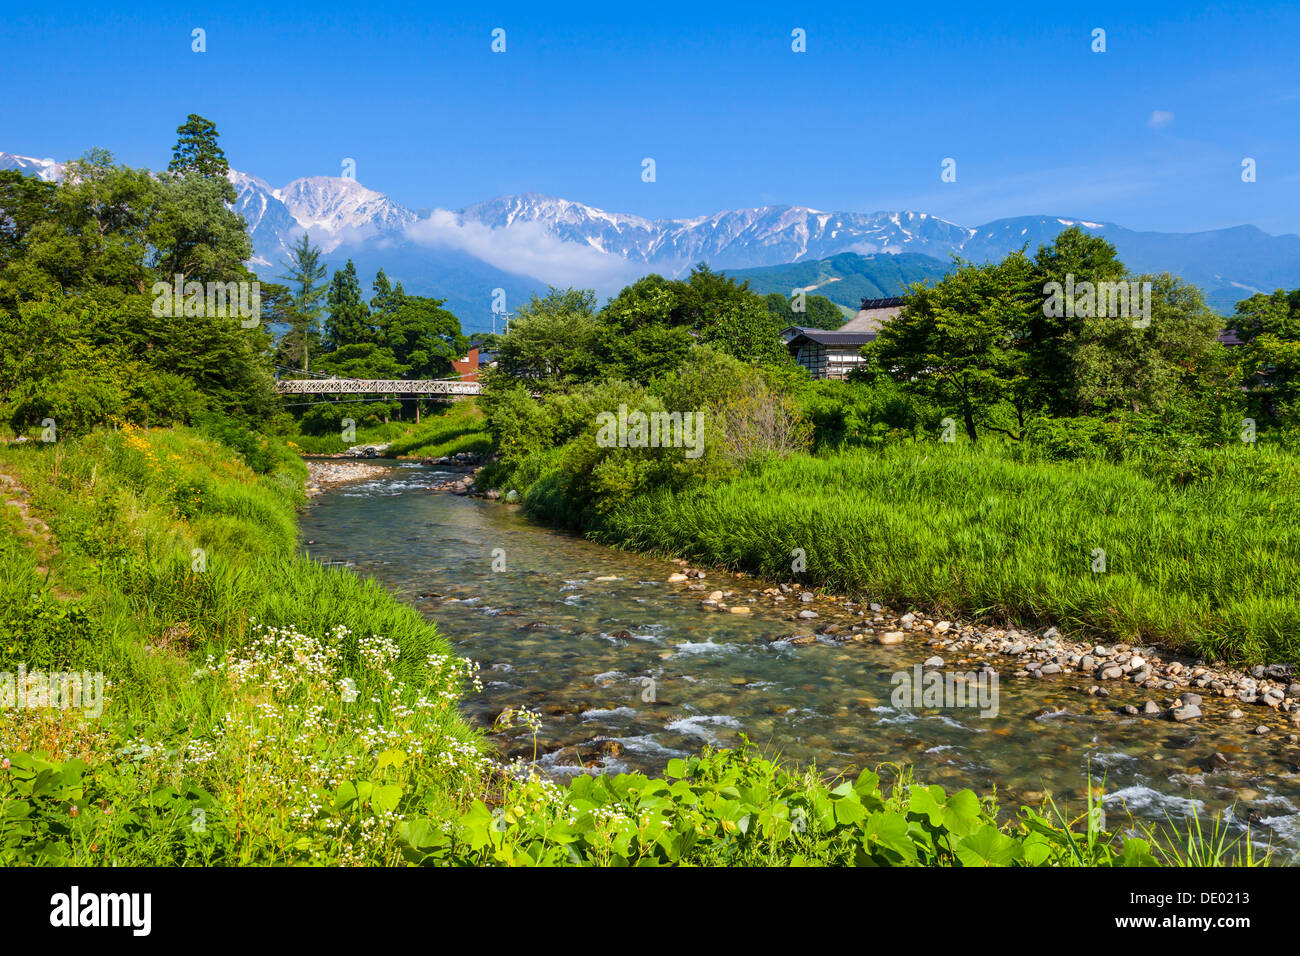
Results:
[271, 225]
[766, 235]
[526, 242]
[342, 208]
[46, 169]
[333, 210]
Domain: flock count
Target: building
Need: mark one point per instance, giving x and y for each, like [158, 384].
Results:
[828, 354]
[466, 369]
[834, 354]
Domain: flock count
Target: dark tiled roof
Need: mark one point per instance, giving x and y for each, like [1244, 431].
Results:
[892, 303]
[1229, 337]
[840, 339]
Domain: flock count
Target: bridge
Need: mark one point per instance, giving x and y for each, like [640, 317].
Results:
[375, 386]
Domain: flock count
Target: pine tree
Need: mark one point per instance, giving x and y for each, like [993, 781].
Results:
[304, 271]
[385, 299]
[197, 151]
[349, 318]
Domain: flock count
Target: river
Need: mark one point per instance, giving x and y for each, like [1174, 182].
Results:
[629, 671]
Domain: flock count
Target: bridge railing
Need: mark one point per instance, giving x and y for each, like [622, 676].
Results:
[375, 386]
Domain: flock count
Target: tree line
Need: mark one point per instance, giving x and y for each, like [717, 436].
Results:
[84, 342]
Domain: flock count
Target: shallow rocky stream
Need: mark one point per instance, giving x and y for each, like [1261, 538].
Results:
[628, 670]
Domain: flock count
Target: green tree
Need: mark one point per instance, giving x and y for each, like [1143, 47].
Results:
[819, 312]
[24, 202]
[384, 298]
[1073, 257]
[304, 271]
[421, 334]
[728, 315]
[197, 150]
[960, 343]
[95, 234]
[195, 232]
[551, 339]
[362, 360]
[1120, 363]
[348, 322]
[1268, 325]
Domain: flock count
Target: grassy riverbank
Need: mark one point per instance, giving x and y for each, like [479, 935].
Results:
[252, 695]
[261, 709]
[1190, 552]
[444, 430]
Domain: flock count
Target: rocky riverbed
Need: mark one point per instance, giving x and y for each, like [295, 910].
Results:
[323, 476]
[1139, 680]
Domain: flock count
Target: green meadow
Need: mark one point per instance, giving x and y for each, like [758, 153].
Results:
[1196, 554]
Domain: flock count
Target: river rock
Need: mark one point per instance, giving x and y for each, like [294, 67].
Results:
[891, 637]
[740, 609]
[1186, 712]
[676, 577]
[808, 615]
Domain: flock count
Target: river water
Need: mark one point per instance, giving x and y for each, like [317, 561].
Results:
[630, 672]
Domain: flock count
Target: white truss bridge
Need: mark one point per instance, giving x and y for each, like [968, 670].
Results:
[375, 386]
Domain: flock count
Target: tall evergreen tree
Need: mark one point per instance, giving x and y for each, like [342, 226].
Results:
[304, 271]
[196, 150]
[385, 299]
[349, 317]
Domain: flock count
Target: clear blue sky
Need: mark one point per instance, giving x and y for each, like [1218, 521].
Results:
[1036, 121]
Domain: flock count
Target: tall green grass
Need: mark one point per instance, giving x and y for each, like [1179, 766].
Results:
[172, 557]
[1200, 552]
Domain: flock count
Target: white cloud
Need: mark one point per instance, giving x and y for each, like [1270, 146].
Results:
[526, 248]
[1159, 119]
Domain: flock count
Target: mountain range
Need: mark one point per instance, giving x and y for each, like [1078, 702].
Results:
[522, 244]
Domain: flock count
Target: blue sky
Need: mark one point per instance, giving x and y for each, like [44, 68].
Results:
[1036, 121]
